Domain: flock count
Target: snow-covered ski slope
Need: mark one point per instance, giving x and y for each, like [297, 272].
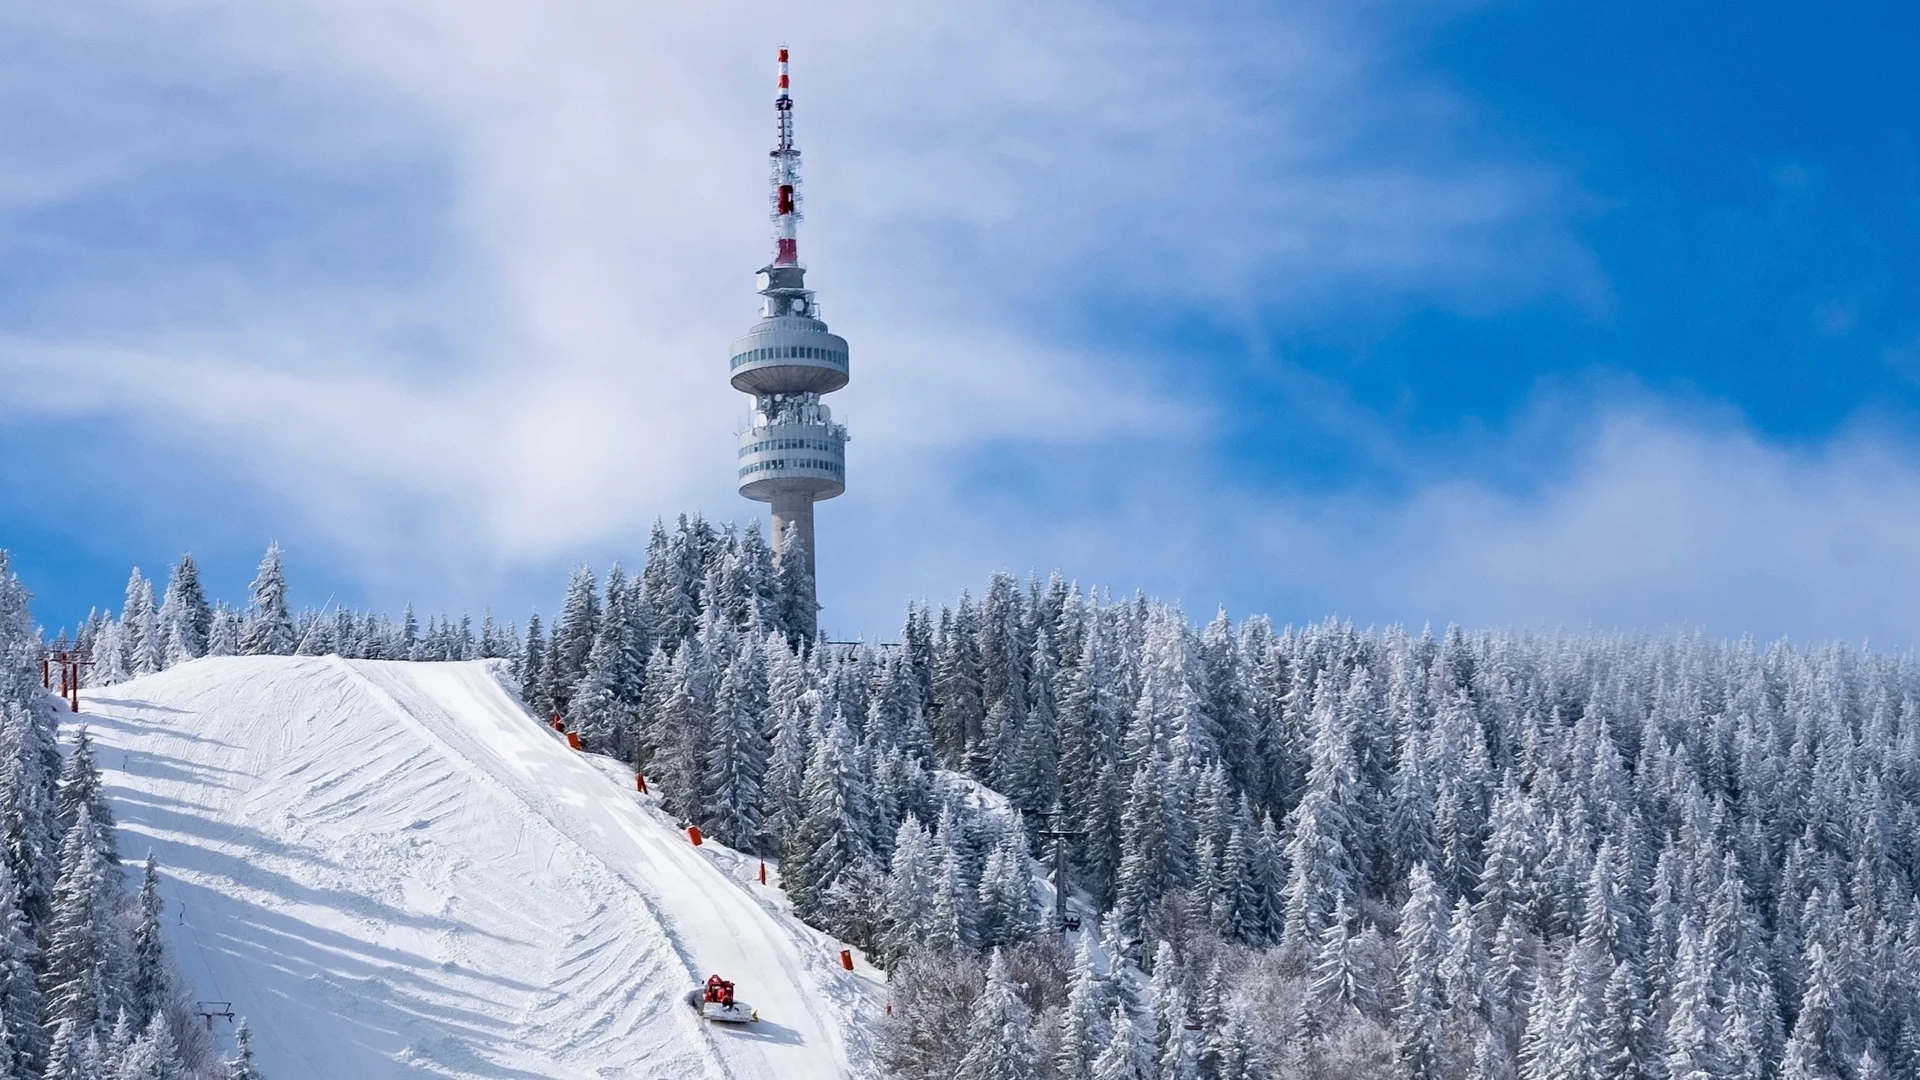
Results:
[392, 871]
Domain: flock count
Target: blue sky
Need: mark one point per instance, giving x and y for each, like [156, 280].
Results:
[1519, 314]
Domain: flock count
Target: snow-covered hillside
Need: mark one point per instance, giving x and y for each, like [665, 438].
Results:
[393, 871]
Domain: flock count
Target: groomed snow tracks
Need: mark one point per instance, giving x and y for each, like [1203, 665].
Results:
[394, 872]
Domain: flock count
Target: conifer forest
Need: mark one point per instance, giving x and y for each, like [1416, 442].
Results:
[87, 990]
[1313, 851]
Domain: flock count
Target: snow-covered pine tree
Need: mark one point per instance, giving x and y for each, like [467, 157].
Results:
[1580, 1053]
[907, 905]
[800, 610]
[1122, 1058]
[573, 637]
[533, 663]
[1008, 912]
[80, 787]
[894, 707]
[1172, 1052]
[109, 1054]
[148, 989]
[1338, 987]
[678, 735]
[312, 634]
[738, 750]
[25, 1041]
[67, 1057]
[29, 819]
[1624, 1037]
[672, 584]
[109, 655]
[1089, 737]
[954, 921]
[999, 1031]
[140, 620]
[831, 841]
[268, 629]
[1820, 1047]
[756, 575]
[1035, 778]
[1693, 1028]
[241, 1067]
[1540, 1046]
[1149, 836]
[223, 632]
[185, 616]
[1234, 1050]
[1003, 648]
[154, 1055]
[606, 700]
[792, 706]
[1423, 944]
[959, 703]
[1323, 877]
[345, 633]
[1229, 713]
[1084, 1030]
[79, 978]
[496, 641]
[916, 636]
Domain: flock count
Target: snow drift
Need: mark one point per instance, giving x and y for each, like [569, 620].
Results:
[392, 871]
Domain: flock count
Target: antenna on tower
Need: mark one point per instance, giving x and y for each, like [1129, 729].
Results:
[786, 176]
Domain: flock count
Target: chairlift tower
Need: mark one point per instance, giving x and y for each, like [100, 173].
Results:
[1063, 920]
[792, 454]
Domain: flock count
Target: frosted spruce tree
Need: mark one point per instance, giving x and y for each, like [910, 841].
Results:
[81, 790]
[999, 1032]
[148, 990]
[223, 632]
[80, 980]
[1084, 1022]
[242, 1066]
[908, 906]
[738, 750]
[25, 1041]
[799, 610]
[153, 1055]
[141, 632]
[185, 617]
[268, 627]
[1122, 1059]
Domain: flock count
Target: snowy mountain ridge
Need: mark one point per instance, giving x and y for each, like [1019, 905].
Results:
[393, 870]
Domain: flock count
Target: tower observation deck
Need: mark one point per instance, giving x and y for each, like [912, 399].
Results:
[792, 454]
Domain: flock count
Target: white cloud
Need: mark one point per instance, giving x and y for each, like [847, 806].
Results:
[1655, 520]
[586, 180]
[1665, 522]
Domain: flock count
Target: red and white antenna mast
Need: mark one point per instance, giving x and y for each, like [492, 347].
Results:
[786, 178]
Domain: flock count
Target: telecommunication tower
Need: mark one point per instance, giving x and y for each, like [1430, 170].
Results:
[792, 454]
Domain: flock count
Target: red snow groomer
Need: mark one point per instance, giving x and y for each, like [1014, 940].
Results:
[715, 1001]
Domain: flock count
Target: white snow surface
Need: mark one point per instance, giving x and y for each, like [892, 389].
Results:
[391, 870]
